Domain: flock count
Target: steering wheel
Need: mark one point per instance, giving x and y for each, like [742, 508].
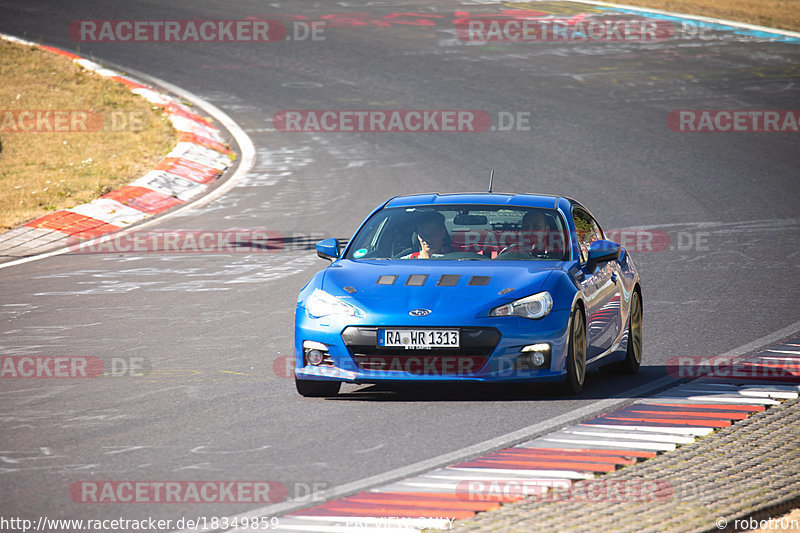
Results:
[517, 248]
[399, 251]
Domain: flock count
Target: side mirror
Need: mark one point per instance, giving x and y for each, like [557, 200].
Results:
[328, 249]
[601, 251]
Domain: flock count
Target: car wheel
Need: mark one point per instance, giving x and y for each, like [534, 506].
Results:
[576, 354]
[633, 356]
[317, 389]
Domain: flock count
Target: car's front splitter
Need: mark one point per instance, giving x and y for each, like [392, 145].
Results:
[503, 364]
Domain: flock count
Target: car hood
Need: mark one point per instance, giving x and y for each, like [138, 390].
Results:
[454, 286]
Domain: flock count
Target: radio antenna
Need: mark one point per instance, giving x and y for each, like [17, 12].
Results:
[491, 181]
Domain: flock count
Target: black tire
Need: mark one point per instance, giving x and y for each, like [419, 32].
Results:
[576, 354]
[317, 389]
[633, 356]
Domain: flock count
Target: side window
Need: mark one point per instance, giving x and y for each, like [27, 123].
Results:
[587, 229]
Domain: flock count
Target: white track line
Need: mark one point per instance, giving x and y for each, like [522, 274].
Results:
[587, 442]
[632, 435]
[677, 430]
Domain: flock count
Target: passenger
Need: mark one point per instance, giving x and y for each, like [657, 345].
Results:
[432, 236]
[536, 228]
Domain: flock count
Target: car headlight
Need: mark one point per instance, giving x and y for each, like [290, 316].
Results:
[320, 304]
[535, 306]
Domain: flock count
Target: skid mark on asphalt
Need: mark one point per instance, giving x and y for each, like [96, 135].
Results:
[226, 202]
[275, 164]
[212, 276]
[125, 449]
[185, 375]
[26, 337]
[716, 245]
[272, 166]
[31, 395]
[311, 194]
[698, 56]
[15, 311]
[31, 418]
[203, 449]
[120, 459]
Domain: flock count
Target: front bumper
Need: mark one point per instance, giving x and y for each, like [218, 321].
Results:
[491, 351]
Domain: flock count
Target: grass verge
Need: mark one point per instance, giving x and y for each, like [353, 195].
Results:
[68, 135]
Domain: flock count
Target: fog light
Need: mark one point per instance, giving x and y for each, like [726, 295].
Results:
[314, 352]
[314, 357]
[536, 358]
[537, 354]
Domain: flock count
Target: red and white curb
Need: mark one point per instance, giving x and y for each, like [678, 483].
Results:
[199, 158]
[623, 436]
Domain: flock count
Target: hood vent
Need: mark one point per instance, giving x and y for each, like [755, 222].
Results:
[448, 280]
[445, 280]
[416, 280]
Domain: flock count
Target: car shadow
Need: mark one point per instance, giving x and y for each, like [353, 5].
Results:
[280, 242]
[599, 385]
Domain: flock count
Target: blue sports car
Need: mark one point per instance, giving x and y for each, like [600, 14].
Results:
[469, 287]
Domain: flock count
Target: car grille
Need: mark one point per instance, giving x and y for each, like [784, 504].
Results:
[477, 345]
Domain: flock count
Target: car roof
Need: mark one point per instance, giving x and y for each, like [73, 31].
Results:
[486, 198]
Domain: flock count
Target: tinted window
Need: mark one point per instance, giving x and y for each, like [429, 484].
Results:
[462, 232]
[587, 231]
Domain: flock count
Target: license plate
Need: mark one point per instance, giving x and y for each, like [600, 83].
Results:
[418, 338]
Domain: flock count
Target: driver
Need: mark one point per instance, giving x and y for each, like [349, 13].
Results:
[535, 225]
[432, 236]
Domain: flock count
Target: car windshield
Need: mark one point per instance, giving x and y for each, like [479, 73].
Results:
[462, 232]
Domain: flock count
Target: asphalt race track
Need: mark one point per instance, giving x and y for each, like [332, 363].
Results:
[213, 330]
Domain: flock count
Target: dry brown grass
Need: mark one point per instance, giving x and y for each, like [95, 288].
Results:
[772, 13]
[47, 171]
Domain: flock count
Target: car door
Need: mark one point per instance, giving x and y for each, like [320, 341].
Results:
[601, 288]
